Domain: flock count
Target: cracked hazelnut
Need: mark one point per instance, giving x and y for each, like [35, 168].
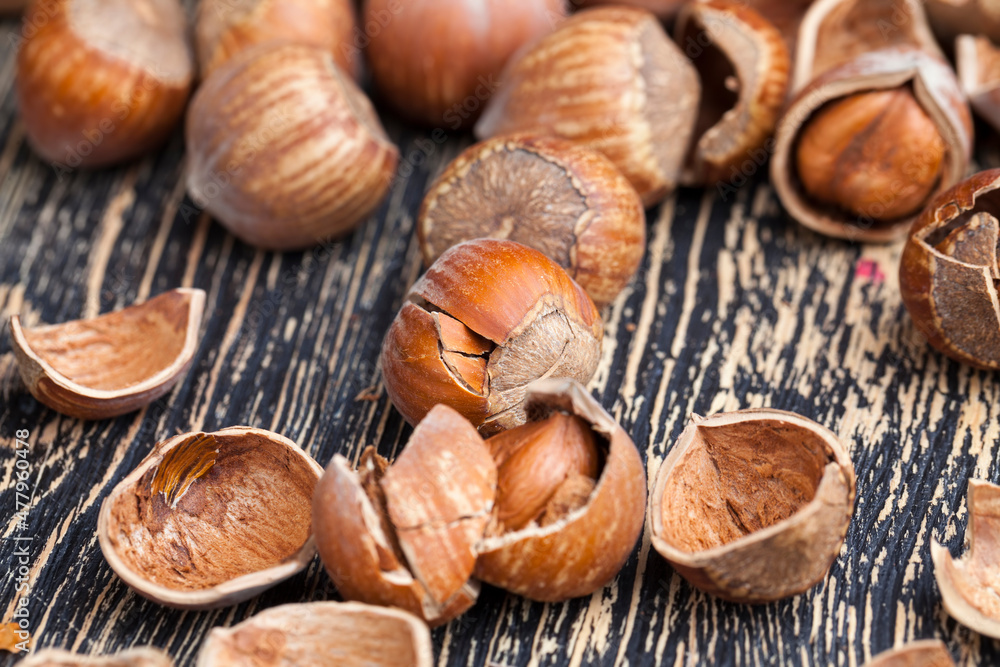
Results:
[321, 633]
[404, 535]
[488, 318]
[925, 653]
[609, 79]
[968, 585]
[567, 201]
[571, 498]
[211, 519]
[225, 28]
[949, 274]
[133, 657]
[112, 364]
[753, 506]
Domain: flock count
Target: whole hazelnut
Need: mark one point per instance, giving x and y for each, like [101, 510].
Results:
[284, 149]
[876, 153]
[488, 318]
[565, 200]
[225, 28]
[437, 61]
[101, 82]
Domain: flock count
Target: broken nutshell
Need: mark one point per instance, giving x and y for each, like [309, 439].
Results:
[753, 506]
[951, 18]
[925, 653]
[978, 63]
[211, 519]
[488, 318]
[968, 584]
[404, 535]
[133, 657]
[111, 364]
[567, 201]
[950, 272]
[570, 501]
[329, 633]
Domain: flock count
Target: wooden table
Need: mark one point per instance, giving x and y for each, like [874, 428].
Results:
[735, 306]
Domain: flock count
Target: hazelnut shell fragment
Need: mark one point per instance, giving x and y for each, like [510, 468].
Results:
[564, 200]
[786, 16]
[585, 549]
[133, 657]
[330, 633]
[753, 506]
[951, 18]
[111, 364]
[968, 585]
[488, 317]
[664, 9]
[610, 79]
[211, 519]
[925, 653]
[978, 63]
[936, 89]
[404, 535]
[949, 272]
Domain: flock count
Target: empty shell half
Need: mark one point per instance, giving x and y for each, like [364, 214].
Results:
[211, 519]
[133, 657]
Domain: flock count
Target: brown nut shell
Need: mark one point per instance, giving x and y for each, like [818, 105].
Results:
[664, 9]
[968, 584]
[225, 28]
[12, 7]
[935, 88]
[133, 657]
[925, 653]
[405, 536]
[111, 364]
[211, 519]
[753, 506]
[978, 63]
[786, 16]
[744, 71]
[949, 271]
[329, 633]
[951, 18]
[835, 32]
[585, 549]
[102, 81]
[284, 149]
[564, 200]
[487, 319]
[610, 79]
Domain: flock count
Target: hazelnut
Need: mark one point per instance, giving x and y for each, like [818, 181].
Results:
[102, 82]
[211, 519]
[857, 149]
[284, 149]
[925, 653]
[225, 28]
[949, 272]
[133, 657]
[664, 9]
[405, 535]
[112, 364]
[968, 585]
[569, 202]
[610, 79]
[978, 62]
[437, 61]
[590, 519]
[11, 7]
[753, 506]
[488, 318]
[322, 633]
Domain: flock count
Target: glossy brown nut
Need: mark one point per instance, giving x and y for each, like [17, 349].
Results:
[934, 87]
[404, 535]
[951, 18]
[664, 9]
[925, 653]
[753, 506]
[610, 79]
[949, 271]
[225, 28]
[978, 63]
[968, 584]
[102, 81]
[487, 319]
[567, 201]
[587, 545]
[744, 66]
[439, 61]
[133, 657]
[321, 633]
[285, 150]
[211, 519]
[111, 364]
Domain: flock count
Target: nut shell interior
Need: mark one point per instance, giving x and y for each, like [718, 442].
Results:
[133, 657]
[753, 506]
[332, 633]
[978, 63]
[209, 520]
[114, 363]
[926, 653]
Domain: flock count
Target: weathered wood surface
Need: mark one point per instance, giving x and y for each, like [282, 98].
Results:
[735, 306]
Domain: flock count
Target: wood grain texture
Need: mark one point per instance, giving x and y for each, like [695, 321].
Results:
[735, 306]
